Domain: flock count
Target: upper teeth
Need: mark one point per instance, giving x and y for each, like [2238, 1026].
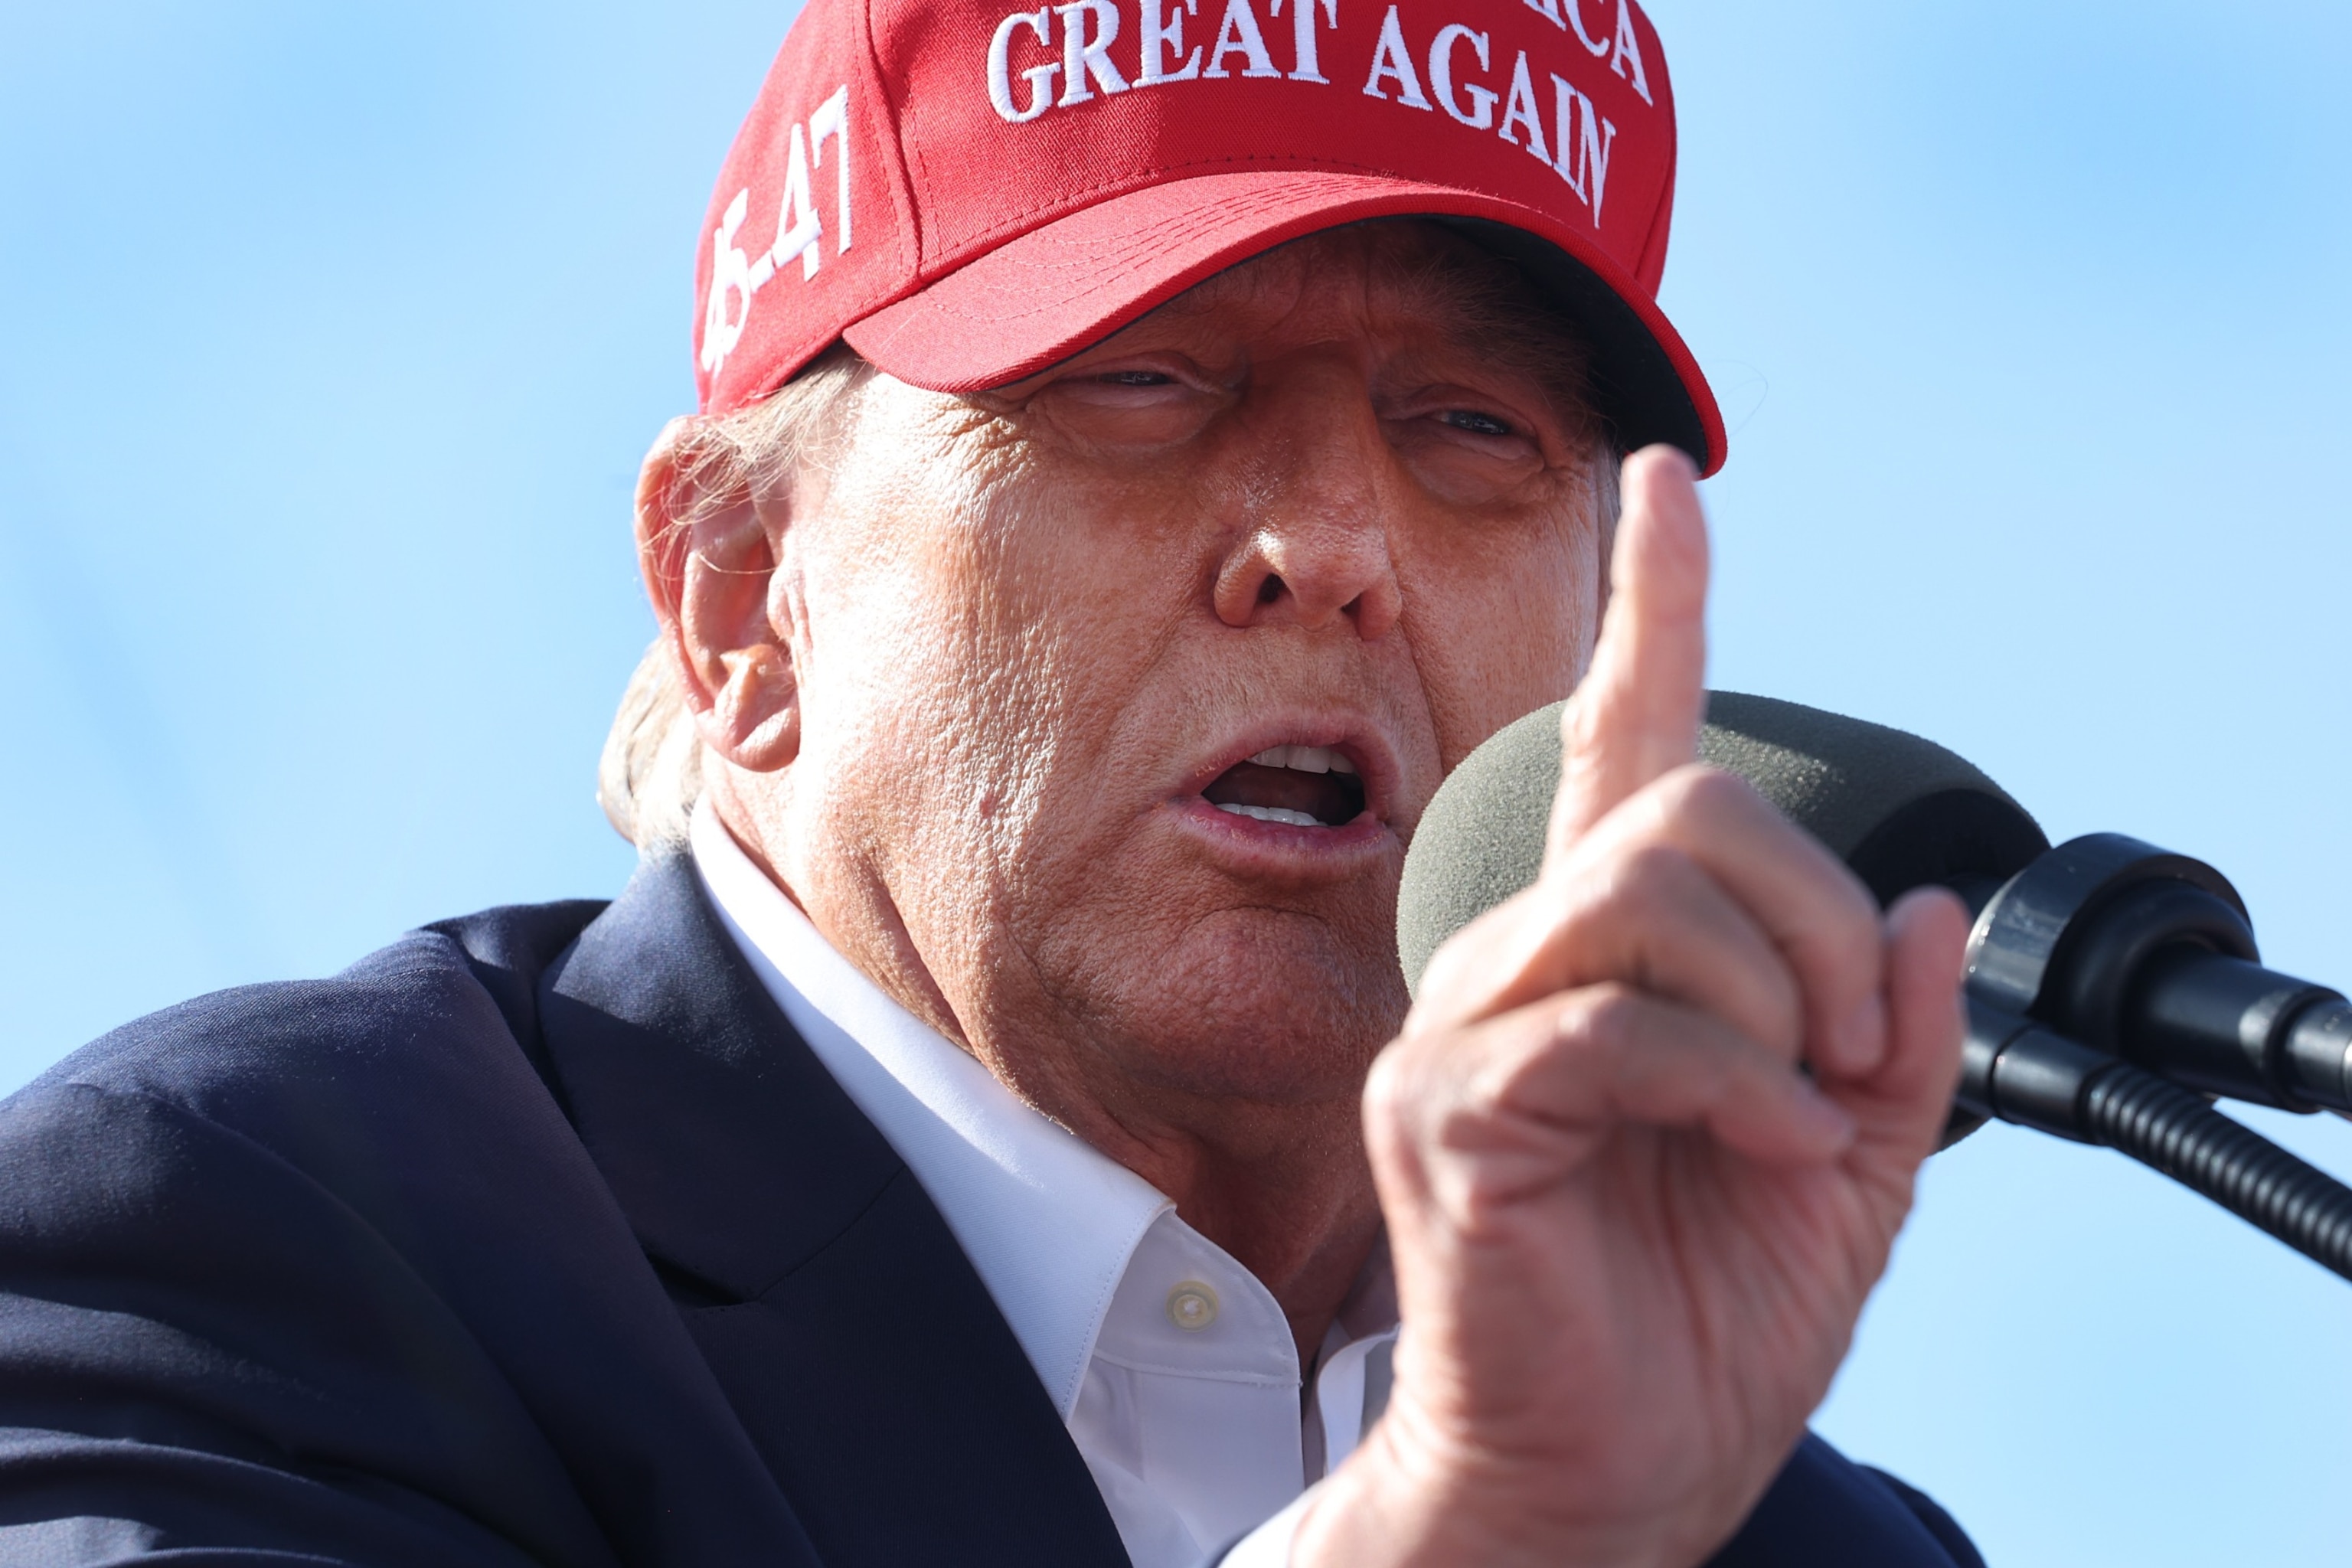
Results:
[1306, 758]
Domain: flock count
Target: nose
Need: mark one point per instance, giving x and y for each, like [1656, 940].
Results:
[1314, 548]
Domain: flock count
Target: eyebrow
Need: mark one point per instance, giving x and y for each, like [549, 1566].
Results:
[1483, 302]
[1488, 307]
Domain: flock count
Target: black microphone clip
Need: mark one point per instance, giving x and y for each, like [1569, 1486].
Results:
[2149, 956]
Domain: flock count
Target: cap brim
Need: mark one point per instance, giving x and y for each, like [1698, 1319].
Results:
[1036, 299]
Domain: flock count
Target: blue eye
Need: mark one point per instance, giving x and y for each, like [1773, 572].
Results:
[1477, 424]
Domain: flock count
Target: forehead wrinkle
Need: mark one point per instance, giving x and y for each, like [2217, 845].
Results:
[1348, 269]
[1267, 291]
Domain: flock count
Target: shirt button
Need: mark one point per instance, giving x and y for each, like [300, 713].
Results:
[1192, 1306]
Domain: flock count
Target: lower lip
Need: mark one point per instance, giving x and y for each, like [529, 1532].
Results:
[1279, 845]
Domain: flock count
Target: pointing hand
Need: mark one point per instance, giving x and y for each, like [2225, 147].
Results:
[1646, 1140]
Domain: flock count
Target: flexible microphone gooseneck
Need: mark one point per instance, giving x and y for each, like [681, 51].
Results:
[2111, 984]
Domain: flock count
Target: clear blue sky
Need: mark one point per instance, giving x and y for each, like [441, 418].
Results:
[331, 335]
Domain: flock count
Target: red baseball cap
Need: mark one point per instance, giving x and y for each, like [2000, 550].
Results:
[968, 192]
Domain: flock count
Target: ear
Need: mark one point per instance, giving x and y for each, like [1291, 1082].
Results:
[709, 556]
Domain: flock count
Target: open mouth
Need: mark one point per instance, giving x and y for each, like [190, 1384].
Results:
[1300, 786]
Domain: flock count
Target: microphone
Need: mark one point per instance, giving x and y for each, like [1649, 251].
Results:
[1902, 812]
[2111, 984]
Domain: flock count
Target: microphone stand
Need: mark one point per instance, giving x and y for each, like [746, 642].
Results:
[2112, 986]
[2014, 1069]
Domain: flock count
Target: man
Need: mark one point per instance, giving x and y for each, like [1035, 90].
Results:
[1142, 452]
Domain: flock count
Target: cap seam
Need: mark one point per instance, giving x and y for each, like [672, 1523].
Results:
[902, 186]
[910, 144]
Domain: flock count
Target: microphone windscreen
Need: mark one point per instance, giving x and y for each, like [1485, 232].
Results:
[1901, 811]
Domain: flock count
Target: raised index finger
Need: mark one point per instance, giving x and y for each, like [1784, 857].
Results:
[1635, 716]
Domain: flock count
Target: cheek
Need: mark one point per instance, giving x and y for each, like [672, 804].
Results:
[1080, 592]
[972, 656]
[1503, 623]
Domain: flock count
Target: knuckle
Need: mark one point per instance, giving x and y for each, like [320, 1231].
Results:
[1386, 1092]
[1701, 790]
[1519, 1059]
[1608, 1019]
[1623, 1029]
[1431, 1092]
[1847, 932]
[1484, 1196]
[1856, 937]
[1395, 1089]
[1584, 724]
[1639, 867]
[1653, 876]
[1781, 1008]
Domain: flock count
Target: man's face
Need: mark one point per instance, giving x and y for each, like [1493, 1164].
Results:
[1320, 513]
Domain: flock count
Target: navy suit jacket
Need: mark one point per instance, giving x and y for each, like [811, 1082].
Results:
[540, 1237]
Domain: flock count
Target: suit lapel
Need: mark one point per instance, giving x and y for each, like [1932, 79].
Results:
[865, 1360]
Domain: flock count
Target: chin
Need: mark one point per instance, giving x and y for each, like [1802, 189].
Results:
[1264, 1006]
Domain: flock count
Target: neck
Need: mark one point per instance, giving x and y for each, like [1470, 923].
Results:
[1283, 1187]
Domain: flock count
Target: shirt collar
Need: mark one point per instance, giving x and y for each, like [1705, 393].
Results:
[1049, 1221]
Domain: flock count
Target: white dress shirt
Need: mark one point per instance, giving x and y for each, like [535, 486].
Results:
[1173, 1366]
